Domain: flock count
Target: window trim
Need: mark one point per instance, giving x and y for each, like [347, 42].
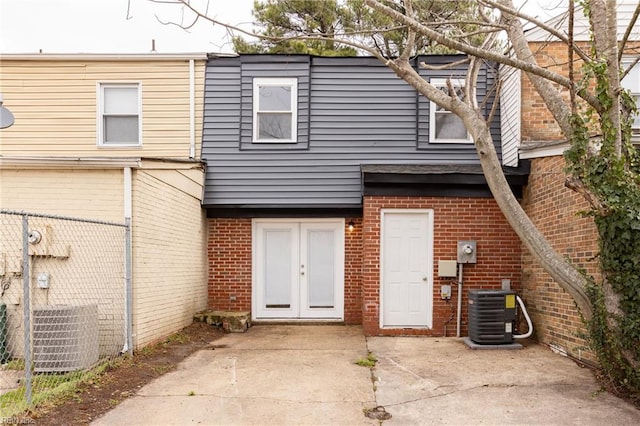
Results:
[278, 81]
[101, 85]
[442, 82]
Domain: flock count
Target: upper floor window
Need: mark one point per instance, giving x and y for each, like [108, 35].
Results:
[275, 109]
[632, 83]
[444, 125]
[119, 112]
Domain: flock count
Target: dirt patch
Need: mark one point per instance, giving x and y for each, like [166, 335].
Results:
[94, 398]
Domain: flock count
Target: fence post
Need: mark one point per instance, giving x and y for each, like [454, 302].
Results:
[26, 300]
[128, 285]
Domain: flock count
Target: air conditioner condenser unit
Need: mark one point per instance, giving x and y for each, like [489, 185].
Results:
[492, 314]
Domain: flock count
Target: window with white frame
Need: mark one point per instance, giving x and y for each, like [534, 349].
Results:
[444, 125]
[119, 122]
[631, 82]
[275, 102]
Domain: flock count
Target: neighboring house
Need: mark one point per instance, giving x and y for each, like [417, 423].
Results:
[333, 191]
[108, 137]
[553, 207]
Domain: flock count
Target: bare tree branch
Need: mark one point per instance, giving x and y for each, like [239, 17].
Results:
[527, 66]
[632, 22]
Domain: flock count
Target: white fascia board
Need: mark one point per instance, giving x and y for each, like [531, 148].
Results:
[544, 151]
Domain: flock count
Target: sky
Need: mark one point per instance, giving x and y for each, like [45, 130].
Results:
[129, 26]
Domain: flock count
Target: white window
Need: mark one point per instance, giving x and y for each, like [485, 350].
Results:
[119, 122]
[632, 83]
[445, 126]
[275, 102]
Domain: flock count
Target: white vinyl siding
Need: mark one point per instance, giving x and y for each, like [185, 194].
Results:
[275, 109]
[119, 114]
[445, 126]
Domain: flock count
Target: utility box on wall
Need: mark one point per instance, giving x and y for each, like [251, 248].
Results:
[467, 252]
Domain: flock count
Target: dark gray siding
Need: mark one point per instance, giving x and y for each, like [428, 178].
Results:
[352, 111]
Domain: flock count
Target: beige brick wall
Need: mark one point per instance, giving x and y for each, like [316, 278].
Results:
[168, 236]
[169, 251]
[94, 194]
[84, 262]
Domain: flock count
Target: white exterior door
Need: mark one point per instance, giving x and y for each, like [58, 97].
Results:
[298, 269]
[406, 255]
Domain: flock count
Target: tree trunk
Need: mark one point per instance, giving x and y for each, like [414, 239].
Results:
[562, 272]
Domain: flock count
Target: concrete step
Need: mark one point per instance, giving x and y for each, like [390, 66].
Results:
[231, 322]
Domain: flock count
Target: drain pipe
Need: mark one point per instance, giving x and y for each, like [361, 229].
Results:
[192, 110]
[128, 198]
[526, 316]
[459, 322]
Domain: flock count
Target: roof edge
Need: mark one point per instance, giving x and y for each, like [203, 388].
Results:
[102, 56]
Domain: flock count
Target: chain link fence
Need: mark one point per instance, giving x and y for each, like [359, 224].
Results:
[64, 303]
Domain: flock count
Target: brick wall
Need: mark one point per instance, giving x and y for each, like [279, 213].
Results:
[553, 208]
[353, 272]
[455, 218]
[229, 252]
[169, 263]
[538, 123]
[92, 193]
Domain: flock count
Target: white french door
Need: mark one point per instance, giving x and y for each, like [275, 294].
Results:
[298, 269]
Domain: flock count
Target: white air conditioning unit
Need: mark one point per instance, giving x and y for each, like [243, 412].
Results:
[65, 338]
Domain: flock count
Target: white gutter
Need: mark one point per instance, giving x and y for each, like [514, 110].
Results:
[192, 109]
[69, 162]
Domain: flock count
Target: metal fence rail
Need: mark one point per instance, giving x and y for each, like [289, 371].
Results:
[64, 303]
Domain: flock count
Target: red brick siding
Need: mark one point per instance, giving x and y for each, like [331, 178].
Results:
[229, 254]
[553, 208]
[538, 123]
[455, 218]
[353, 272]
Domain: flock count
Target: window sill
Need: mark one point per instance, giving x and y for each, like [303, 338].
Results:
[118, 146]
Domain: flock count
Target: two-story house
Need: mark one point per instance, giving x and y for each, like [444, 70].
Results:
[334, 192]
[114, 137]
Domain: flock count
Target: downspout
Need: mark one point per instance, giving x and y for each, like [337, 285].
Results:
[128, 261]
[192, 109]
[459, 322]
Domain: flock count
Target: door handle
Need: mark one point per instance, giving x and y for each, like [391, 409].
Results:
[301, 269]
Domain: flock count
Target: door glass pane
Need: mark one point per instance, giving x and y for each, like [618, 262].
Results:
[320, 269]
[277, 280]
